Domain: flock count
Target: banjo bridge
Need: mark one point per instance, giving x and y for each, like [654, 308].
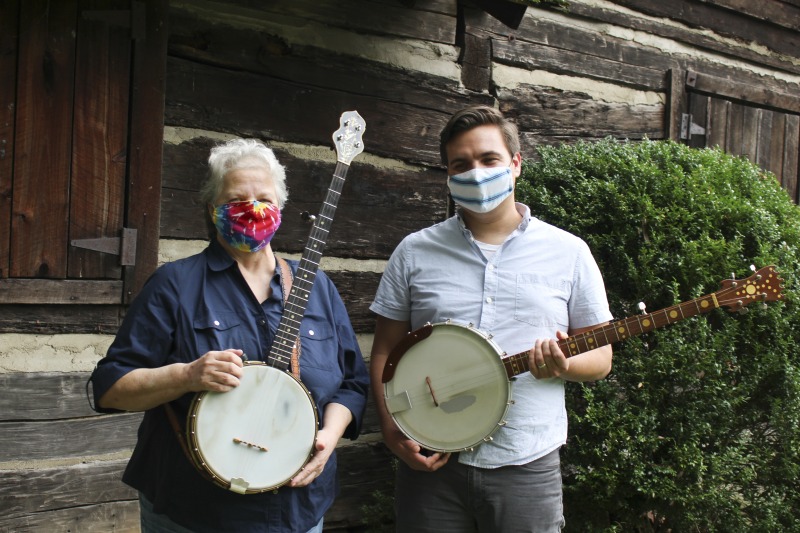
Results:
[250, 444]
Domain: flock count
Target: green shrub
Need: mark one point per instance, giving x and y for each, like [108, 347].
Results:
[697, 428]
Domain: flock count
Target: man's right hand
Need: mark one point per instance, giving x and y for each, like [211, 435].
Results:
[411, 453]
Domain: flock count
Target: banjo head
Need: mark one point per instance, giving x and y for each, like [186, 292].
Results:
[450, 392]
[256, 437]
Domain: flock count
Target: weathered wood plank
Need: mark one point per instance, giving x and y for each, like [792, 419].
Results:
[274, 108]
[362, 227]
[122, 517]
[363, 16]
[581, 63]
[745, 92]
[682, 34]
[43, 291]
[32, 491]
[791, 165]
[751, 122]
[251, 50]
[547, 44]
[725, 22]
[97, 187]
[717, 128]
[357, 290]
[54, 319]
[43, 111]
[47, 498]
[698, 109]
[677, 103]
[476, 63]
[735, 133]
[60, 439]
[764, 142]
[552, 113]
[775, 156]
[30, 396]
[772, 11]
[146, 134]
[9, 33]
[47, 396]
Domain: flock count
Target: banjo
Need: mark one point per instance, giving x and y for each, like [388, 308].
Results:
[448, 386]
[258, 436]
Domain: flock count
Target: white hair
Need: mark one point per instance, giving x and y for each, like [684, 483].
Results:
[241, 153]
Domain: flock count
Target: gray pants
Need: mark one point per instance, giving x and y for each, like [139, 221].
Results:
[464, 499]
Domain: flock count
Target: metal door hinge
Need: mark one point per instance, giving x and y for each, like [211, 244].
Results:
[124, 246]
[689, 128]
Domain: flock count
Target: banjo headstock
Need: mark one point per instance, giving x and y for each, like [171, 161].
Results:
[763, 286]
[348, 137]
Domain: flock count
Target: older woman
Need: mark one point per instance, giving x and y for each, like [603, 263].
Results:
[189, 330]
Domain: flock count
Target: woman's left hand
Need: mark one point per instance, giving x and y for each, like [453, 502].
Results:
[336, 419]
[324, 446]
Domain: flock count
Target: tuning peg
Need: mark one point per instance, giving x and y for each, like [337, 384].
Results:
[642, 307]
[753, 268]
[308, 217]
[744, 310]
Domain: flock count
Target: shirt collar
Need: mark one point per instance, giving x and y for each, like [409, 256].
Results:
[218, 258]
[522, 209]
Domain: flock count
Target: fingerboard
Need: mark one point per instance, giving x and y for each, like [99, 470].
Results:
[763, 286]
[348, 144]
[297, 302]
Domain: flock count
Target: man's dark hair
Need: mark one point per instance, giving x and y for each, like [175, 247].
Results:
[472, 117]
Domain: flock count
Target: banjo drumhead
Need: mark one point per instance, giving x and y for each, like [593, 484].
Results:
[460, 369]
[257, 436]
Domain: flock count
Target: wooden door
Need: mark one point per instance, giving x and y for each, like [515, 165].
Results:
[86, 90]
[760, 124]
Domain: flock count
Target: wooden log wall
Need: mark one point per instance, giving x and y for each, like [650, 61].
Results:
[284, 71]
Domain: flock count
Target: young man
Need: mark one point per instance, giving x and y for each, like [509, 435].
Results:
[519, 280]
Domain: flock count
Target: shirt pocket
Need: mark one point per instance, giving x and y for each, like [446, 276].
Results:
[541, 301]
[318, 345]
[218, 331]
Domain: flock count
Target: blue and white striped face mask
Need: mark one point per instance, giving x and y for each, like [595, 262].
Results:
[481, 189]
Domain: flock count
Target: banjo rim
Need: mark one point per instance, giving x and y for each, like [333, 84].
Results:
[200, 460]
[490, 347]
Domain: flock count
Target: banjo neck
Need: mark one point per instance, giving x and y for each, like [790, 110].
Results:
[763, 286]
[348, 142]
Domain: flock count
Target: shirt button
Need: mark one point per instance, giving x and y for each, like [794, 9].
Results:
[216, 322]
[262, 321]
[491, 267]
[489, 300]
[311, 332]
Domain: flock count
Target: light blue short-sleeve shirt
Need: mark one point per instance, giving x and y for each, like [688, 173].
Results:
[540, 280]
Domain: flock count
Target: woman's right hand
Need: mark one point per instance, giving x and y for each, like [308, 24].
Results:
[215, 371]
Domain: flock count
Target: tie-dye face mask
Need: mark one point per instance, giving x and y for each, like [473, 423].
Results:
[247, 226]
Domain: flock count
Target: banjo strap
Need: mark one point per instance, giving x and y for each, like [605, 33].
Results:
[286, 285]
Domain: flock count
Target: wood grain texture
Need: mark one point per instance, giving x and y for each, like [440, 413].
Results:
[9, 33]
[99, 157]
[44, 109]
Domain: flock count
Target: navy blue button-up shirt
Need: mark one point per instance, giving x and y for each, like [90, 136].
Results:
[202, 303]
